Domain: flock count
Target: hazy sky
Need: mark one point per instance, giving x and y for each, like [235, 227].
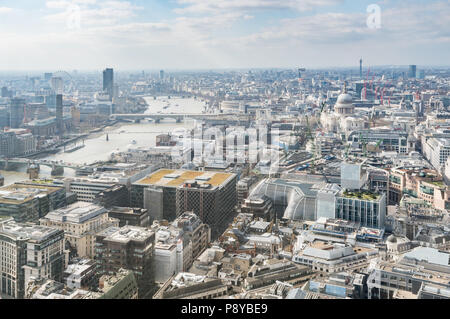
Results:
[190, 34]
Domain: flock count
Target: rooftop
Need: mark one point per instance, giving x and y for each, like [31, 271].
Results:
[175, 178]
[126, 233]
[26, 231]
[19, 193]
[78, 212]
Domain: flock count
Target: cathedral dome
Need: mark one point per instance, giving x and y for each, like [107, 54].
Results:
[344, 104]
[345, 98]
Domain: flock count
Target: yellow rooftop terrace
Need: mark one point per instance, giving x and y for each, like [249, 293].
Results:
[175, 178]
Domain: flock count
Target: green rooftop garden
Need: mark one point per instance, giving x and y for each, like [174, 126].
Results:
[364, 195]
[437, 183]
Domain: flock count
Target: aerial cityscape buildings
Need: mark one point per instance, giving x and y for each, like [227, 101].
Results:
[240, 184]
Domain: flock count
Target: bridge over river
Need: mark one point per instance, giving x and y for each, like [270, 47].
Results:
[179, 117]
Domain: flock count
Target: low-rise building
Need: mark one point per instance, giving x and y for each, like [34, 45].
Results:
[423, 272]
[81, 274]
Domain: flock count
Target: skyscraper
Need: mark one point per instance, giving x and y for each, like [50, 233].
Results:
[161, 75]
[412, 71]
[108, 82]
[16, 111]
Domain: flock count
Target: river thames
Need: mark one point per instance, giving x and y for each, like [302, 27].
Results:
[121, 137]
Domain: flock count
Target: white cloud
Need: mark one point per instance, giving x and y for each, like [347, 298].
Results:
[4, 10]
[215, 6]
[91, 12]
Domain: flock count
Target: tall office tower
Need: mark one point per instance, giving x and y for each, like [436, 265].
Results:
[412, 71]
[360, 68]
[57, 84]
[16, 111]
[161, 75]
[108, 82]
[59, 114]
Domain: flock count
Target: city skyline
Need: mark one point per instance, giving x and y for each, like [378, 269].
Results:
[191, 34]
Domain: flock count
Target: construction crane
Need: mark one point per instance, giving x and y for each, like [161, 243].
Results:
[347, 150]
[382, 92]
[300, 70]
[364, 144]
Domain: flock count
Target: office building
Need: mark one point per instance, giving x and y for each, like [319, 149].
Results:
[27, 203]
[130, 216]
[412, 71]
[16, 112]
[90, 189]
[81, 222]
[296, 200]
[198, 233]
[421, 273]
[437, 150]
[336, 257]
[129, 247]
[108, 82]
[259, 207]
[388, 140]
[178, 244]
[169, 193]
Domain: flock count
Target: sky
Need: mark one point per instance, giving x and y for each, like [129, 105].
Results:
[220, 34]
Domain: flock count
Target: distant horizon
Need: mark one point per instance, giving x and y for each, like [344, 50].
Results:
[225, 69]
[208, 34]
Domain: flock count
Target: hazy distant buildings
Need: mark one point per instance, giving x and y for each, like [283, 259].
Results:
[16, 111]
[57, 84]
[412, 71]
[108, 82]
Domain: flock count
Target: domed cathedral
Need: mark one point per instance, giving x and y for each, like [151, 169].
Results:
[341, 119]
[344, 104]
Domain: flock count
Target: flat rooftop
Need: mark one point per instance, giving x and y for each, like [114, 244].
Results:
[175, 178]
[21, 193]
[26, 231]
[126, 233]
